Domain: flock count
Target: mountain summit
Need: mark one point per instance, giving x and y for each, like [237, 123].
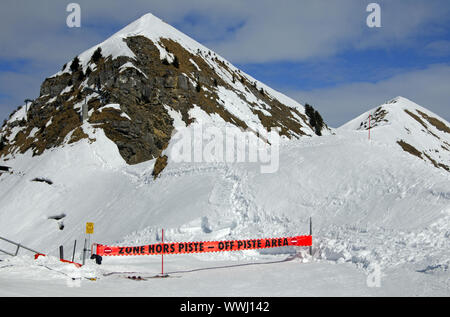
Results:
[414, 128]
[135, 85]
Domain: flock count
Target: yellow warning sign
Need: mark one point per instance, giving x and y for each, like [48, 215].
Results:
[89, 227]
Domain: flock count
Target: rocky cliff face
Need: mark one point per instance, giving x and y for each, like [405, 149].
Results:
[129, 83]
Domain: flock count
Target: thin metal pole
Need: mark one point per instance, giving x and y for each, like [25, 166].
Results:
[6, 252]
[89, 245]
[84, 250]
[310, 233]
[74, 248]
[26, 108]
[18, 244]
[17, 250]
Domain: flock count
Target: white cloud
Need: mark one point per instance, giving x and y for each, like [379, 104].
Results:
[261, 31]
[304, 30]
[438, 48]
[269, 30]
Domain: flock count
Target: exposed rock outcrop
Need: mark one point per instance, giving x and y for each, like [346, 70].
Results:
[143, 87]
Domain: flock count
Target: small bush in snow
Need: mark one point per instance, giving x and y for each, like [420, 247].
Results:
[97, 55]
[75, 66]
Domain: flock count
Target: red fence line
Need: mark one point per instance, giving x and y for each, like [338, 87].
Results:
[201, 247]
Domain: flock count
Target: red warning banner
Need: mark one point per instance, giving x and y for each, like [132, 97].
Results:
[200, 247]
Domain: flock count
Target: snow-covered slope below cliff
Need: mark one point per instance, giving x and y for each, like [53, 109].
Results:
[373, 206]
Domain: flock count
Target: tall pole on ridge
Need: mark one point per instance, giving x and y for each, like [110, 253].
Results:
[26, 108]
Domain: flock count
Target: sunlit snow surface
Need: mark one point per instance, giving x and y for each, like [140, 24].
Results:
[375, 208]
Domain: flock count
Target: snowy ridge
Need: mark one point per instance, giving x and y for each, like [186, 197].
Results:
[420, 131]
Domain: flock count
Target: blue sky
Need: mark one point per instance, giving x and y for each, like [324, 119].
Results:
[320, 52]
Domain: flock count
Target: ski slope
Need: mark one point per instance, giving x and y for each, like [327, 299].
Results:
[191, 276]
[375, 208]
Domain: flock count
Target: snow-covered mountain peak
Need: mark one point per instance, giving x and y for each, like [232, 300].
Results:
[148, 26]
[414, 128]
[155, 28]
[137, 84]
